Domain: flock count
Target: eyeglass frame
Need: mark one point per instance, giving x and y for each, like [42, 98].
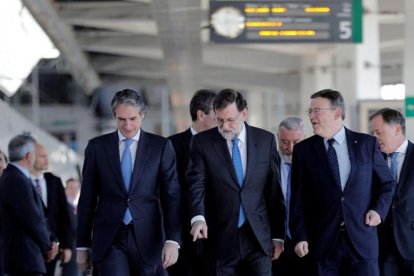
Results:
[231, 121]
[317, 111]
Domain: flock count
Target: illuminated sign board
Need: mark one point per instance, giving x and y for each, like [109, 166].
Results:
[286, 21]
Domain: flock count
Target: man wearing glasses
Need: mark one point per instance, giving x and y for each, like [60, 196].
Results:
[341, 190]
[235, 197]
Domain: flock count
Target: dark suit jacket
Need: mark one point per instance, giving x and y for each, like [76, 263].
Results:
[154, 197]
[57, 212]
[318, 204]
[400, 219]
[181, 143]
[26, 233]
[216, 194]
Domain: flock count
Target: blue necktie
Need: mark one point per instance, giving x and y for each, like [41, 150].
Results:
[238, 167]
[333, 161]
[394, 165]
[126, 169]
[287, 199]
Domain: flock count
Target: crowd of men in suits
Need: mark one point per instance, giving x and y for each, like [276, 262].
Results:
[221, 198]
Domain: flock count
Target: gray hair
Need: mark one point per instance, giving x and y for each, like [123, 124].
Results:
[292, 123]
[20, 145]
[129, 97]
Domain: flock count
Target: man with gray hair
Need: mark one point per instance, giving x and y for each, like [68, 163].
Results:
[289, 132]
[28, 242]
[128, 210]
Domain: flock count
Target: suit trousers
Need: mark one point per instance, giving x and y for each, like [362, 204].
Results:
[343, 260]
[190, 262]
[392, 263]
[51, 266]
[250, 259]
[124, 258]
[289, 263]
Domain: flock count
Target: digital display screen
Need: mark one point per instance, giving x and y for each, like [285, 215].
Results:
[286, 21]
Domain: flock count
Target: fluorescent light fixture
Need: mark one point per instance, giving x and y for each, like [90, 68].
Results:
[393, 92]
[23, 44]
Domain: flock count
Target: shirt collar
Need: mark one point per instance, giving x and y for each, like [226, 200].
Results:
[40, 177]
[135, 138]
[242, 134]
[339, 137]
[403, 147]
[193, 131]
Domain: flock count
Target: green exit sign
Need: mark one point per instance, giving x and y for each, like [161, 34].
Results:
[409, 107]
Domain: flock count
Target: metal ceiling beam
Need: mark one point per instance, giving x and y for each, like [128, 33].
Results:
[179, 25]
[65, 41]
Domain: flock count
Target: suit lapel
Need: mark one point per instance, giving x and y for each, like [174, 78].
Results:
[408, 160]
[222, 151]
[143, 151]
[251, 149]
[112, 150]
[353, 150]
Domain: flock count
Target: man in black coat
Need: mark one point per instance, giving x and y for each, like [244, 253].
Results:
[51, 191]
[202, 115]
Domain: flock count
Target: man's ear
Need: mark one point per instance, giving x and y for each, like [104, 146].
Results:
[200, 115]
[398, 129]
[338, 112]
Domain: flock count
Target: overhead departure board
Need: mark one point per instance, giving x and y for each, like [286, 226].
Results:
[286, 21]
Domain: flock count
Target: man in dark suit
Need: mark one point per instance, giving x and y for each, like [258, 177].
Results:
[3, 164]
[202, 115]
[335, 206]
[235, 191]
[28, 241]
[51, 191]
[289, 132]
[72, 191]
[397, 232]
[128, 210]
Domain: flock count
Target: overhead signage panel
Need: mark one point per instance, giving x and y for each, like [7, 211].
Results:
[286, 21]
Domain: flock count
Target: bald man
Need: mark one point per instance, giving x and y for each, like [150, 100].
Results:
[51, 191]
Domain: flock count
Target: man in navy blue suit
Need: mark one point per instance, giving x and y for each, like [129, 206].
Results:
[341, 190]
[236, 203]
[396, 233]
[28, 243]
[128, 210]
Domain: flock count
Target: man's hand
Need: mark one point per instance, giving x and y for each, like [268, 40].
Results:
[301, 248]
[372, 218]
[83, 259]
[199, 230]
[51, 254]
[277, 249]
[169, 254]
[65, 255]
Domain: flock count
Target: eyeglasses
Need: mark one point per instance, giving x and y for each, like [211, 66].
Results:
[316, 111]
[231, 121]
